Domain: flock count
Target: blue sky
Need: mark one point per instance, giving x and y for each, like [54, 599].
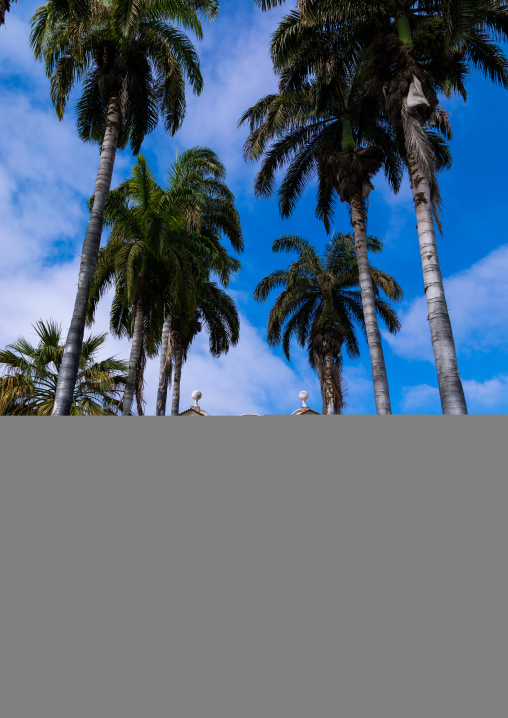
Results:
[46, 175]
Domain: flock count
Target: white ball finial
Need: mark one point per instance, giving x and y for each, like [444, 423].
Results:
[303, 396]
[196, 395]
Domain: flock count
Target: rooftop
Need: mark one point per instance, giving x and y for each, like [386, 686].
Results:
[196, 410]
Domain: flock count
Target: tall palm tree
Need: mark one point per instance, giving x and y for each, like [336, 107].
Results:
[30, 373]
[153, 262]
[217, 314]
[132, 62]
[330, 128]
[196, 187]
[417, 48]
[320, 306]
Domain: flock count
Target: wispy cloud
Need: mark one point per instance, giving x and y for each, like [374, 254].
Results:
[489, 396]
[46, 175]
[237, 71]
[478, 303]
[16, 55]
[420, 397]
[249, 379]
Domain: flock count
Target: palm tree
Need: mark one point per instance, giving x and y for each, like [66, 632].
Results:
[28, 384]
[155, 265]
[132, 64]
[331, 128]
[196, 187]
[217, 314]
[320, 306]
[416, 49]
[152, 261]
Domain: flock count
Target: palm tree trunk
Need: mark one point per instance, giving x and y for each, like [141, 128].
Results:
[162, 393]
[328, 389]
[137, 340]
[379, 377]
[450, 384]
[175, 408]
[72, 352]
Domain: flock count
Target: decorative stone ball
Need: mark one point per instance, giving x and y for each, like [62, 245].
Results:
[196, 395]
[303, 395]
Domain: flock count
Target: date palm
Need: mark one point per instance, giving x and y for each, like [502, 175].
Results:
[132, 61]
[332, 129]
[417, 48]
[30, 373]
[320, 306]
[196, 186]
[216, 313]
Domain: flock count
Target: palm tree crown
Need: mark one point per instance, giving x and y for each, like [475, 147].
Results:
[320, 304]
[126, 51]
[155, 262]
[28, 385]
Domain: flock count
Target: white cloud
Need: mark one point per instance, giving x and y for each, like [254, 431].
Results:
[237, 71]
[252, 379]
[16, 56]
[46, 175]
[49, 295]
[249, 379]
[421, 396]
[477, 300]
[491, 394]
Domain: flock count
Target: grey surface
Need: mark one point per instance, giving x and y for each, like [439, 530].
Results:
[256, 568]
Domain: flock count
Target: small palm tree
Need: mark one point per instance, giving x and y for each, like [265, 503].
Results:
[321, 306]
[132, 63]
[30, 373]
[217, 314]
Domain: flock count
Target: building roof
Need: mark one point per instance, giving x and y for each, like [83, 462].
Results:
[196, 410]
[305, 410]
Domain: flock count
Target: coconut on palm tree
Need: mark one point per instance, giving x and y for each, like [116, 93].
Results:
[416, 49]
[132, 61]
[332, 129]
[320, 306]
[30, 373]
